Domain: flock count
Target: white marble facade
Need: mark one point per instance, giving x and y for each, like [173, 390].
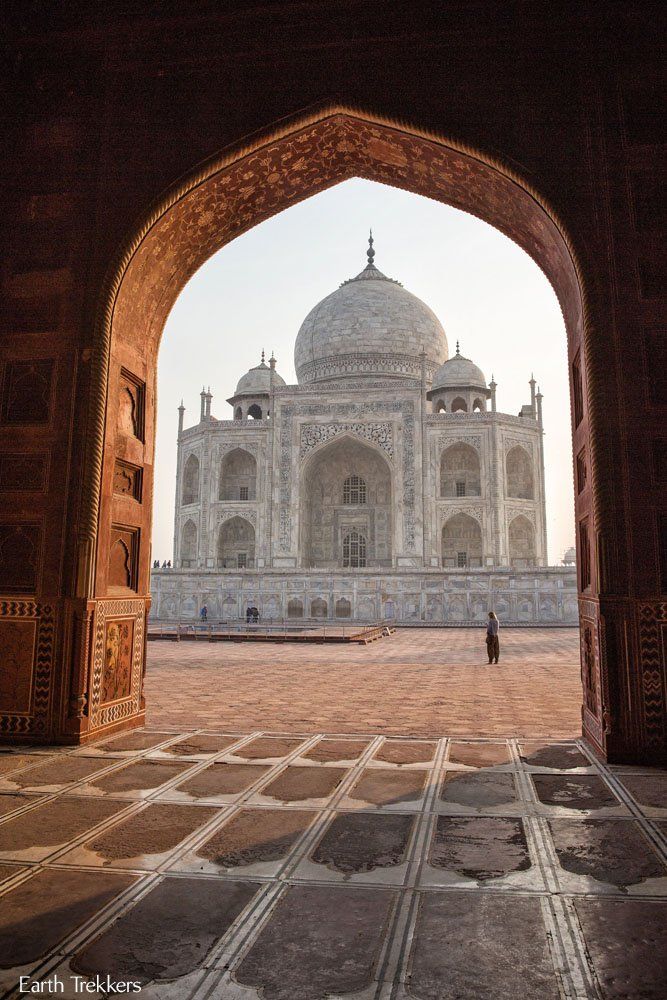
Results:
[385, 484]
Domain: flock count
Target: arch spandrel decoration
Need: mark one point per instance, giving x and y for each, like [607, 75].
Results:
[246, 185]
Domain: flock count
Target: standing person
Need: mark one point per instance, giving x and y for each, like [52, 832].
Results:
[203, 614]
[492, 641]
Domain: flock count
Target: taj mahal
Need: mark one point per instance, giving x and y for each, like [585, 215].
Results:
[384, 485]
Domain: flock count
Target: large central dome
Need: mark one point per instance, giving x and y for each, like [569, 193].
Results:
[369, 327]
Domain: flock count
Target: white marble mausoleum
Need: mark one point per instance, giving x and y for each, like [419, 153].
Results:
[384, 485]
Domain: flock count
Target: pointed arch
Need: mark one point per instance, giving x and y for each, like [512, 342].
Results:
[319, 608]
[236, 544]
[190, 488]
[460, 472]
[332, 143]
[346, 487]
[462, 542]
[521, 542]
[238, 476]
[519, 473]
[188, 545]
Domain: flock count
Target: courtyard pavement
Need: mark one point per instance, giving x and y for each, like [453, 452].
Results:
[232, 863]
[421, 682]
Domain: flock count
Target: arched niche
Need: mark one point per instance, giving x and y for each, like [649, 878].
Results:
[255, 412]
[188, 545]
[346, 487]
[343, 608]
[459, 405]
[521, 542]
[238, 476]
[236, 544]
[190, 488]
[439, 406]
[460, 473]
[462, 542]
[295, 608]
[319, 608]
[519, 470]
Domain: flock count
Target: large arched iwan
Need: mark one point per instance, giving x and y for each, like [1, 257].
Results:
[223, 198]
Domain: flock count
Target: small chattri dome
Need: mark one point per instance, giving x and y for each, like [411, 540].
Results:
[458, 373]
[257, 381]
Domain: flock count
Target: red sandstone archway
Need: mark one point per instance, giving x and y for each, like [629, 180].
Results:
[217, 202]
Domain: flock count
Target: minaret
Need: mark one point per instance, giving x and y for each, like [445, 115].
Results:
[543, 499]
[493, 387]
[532, 393]
[202, 396]
[209, 397]
[539, 397]
[272, 368]
[176, 552]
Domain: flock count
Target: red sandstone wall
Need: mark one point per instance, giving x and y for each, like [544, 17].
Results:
[109, 109]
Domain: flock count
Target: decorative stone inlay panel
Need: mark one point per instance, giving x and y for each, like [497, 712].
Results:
[27, 391]
[314, 434]
[23, 473]
[450, 511]
[445, 440]
[652, 642]
[512, 512]
[27, 632]
[356, 364]
[117, 672]
[250, 446]
[127, 686]
[521, 442]
[20, 556]
[343, 385]
[246, 513]
[244, 426]
[131, 405]
[127, 479]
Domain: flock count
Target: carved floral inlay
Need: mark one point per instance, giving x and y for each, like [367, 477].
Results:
[314, 434]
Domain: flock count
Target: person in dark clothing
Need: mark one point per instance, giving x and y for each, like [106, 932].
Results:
[492, 640]
[248, 615]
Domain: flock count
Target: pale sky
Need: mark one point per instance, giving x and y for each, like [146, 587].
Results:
[254, 294]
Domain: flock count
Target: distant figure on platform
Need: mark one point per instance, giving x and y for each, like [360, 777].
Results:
[492, 641]
[255, 614]
[203, 614]
[248, 615]
[168, 563]
[164, 564]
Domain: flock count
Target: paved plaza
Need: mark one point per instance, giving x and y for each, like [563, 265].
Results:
[398, 821]
[416, 682]
[247, 866]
